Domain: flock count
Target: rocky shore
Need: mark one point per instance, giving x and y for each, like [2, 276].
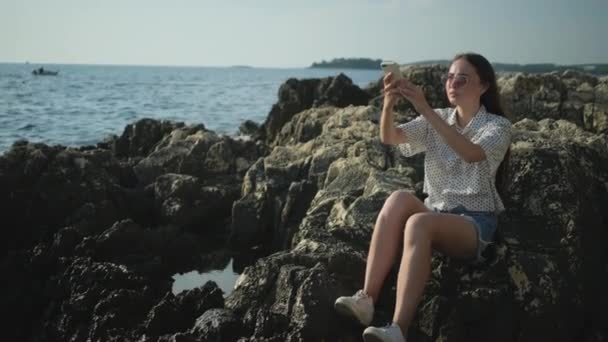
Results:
[92, 235]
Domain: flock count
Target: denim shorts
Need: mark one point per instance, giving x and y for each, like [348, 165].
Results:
[485, 223]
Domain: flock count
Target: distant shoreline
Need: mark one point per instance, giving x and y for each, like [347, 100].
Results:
[598, 69]
[348, 63]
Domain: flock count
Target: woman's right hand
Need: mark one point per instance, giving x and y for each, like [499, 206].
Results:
[391, 91]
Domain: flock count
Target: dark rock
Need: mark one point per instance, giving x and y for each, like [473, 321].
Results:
[201, 154]
[298, 95]
[250, 128]
[297, 202]
[65, 240]
[179, 337]
[178, 313]
[46, 188]
[595, 115]
[96, 300]
[126, 238]
[183, 201]
[254, 215]
[217, 325]
[139, 138]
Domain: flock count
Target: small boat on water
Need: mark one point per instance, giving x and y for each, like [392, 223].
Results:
[42, 72]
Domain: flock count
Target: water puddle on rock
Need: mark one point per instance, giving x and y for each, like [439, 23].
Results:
[224, 278]
[223, 267]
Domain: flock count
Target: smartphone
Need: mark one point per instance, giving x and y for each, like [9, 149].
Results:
[390, 66]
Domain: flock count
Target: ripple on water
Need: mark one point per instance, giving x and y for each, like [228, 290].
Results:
[26, 127]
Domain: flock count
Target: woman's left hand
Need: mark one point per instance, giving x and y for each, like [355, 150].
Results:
[414, 94]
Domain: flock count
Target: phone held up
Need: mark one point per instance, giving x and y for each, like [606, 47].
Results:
[393, 67]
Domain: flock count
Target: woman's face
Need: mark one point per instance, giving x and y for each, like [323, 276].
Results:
[462, 84]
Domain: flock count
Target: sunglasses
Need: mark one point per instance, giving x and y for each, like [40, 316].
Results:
[457, 81]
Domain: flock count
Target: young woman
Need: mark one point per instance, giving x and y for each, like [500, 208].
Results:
[465, 145]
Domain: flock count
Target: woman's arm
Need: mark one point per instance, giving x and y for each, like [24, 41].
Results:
[389, 134]
[468, 151]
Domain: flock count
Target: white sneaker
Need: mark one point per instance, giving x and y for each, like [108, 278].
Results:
[360, 306]
[389, 333]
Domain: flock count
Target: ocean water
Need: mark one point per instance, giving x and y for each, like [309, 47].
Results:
[85, 103]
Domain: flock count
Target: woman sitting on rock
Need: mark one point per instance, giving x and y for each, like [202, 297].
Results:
[464, 146]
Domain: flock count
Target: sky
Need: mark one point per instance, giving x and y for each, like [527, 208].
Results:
[286, 33]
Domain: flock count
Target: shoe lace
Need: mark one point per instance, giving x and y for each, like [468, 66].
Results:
[361, 295]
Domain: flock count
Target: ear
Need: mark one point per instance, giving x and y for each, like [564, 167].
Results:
[484, 88]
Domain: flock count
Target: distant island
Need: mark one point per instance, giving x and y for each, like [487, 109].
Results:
[374, 64]
[349, 63]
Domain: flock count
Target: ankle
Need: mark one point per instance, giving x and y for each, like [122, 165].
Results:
[370, 295]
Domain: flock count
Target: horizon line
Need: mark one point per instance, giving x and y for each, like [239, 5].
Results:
[267, 67]
[154, 65]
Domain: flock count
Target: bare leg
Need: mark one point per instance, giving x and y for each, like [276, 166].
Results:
[450, 234]
[386, 238]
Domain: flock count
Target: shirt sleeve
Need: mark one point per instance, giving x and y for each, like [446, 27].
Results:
[495, 140]
[416, 132]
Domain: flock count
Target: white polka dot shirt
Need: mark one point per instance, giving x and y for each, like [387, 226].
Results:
[449, 181]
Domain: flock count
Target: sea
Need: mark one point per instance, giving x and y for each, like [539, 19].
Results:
[83, 104]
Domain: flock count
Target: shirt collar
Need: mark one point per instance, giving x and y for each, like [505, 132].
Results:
[451, 120]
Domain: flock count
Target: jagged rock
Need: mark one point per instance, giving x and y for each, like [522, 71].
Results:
[251, 129]
[304, 126]
[79, 207]
[139, 138]
[93, 300]
[297, 201]
[299, 292]
[263, 195]
[179, 337]
[596, 113]
[298, 95]
[217, 325]
[178, 313]
[183, 201]
[125, 238]
[199, 153]
[47, 188]
[344, 133]
[166, 160]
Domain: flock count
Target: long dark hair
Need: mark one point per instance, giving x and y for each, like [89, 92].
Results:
[491, 100]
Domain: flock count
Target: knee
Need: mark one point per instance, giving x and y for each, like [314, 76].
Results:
[395, 206]
[398, 200]
[417, 229]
